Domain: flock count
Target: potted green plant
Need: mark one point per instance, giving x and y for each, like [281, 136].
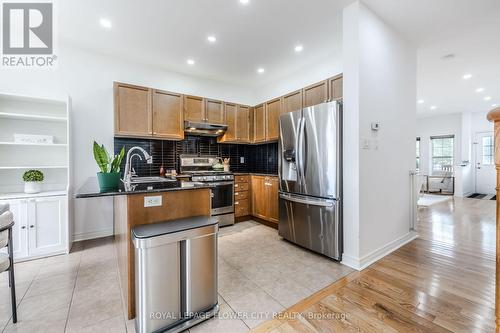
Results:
[33, 180]
[109, 177]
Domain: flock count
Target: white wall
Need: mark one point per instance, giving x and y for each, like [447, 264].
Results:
[464, 126]
[379, 86]
[88, 79]
[450, 124]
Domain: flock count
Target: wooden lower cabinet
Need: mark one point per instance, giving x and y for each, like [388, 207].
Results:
[241, 202]
[265, 200]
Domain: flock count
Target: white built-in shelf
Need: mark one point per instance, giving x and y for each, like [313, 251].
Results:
[25, 116]
[6, 143]
[33, 167]
[21, 195]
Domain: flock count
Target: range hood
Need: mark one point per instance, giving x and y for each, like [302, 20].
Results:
[204, 129]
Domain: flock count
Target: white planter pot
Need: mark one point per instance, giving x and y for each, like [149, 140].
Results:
[32, 187]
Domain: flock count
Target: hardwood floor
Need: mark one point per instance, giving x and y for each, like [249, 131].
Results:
[444, 281]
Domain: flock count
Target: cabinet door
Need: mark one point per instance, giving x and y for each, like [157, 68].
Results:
[292, 102]
[168, 119]
[194, 108]
[133, 111]
[48, 223]
[259, 208]
[259, 124]
[215, 112]
[335, 86]
[272, 199]
[316, 93]
[231, 122]
[19, 209]
[251, 125]
[273, 112]
[242, 123]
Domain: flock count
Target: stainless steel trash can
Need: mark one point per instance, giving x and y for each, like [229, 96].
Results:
[175, 274]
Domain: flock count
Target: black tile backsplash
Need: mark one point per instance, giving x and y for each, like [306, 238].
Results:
[261, 158]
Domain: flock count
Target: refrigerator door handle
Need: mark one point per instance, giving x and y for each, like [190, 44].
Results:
[302, 200]
[300, 152]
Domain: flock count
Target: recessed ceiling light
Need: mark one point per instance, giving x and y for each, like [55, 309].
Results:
[478, 90]
[244, 1]
[212, 39]
[105, 23]
[260, 70]
[467, 76]
[190, 62]
[487, 98]
[420, 101]
[299, 48]
[494, 105]
[433, 107]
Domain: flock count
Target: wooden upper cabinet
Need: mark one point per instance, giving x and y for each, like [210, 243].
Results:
[273, 112]
[194, 108]
[231, 115]
[273, 198]
[292, 102]
[335, 88]
[168, 115]
[316, 93]
[259, 123]
[215, 112]
[251, 127]
[242, 123]
[133, 111]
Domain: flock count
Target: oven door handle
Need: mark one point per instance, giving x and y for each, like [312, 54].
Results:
[221, 183]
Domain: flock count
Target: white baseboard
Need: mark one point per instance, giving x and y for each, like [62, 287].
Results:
[367, 260]
[93, 234]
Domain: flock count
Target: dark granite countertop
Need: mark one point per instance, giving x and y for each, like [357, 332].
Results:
[90, 189]
[256, 174]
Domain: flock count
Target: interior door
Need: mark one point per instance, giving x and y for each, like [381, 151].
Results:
[318, 152]
[485, 163]
[287, 151]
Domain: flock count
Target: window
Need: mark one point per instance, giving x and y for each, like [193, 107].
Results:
[487, 146]
[442, 152]
[418, 153]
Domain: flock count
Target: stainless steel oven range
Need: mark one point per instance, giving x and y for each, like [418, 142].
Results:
[199, 169]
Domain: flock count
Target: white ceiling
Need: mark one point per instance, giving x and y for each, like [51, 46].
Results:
[165, 33]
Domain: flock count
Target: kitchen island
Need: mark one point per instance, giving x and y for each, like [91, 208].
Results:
[145, 204]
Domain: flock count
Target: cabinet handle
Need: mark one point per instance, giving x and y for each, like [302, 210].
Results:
[235, 185]
[236, 193]
[236, 203]
[23, 227]
[32, 226]
[155, 133]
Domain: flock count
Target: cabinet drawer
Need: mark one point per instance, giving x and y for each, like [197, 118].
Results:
[238, 195]
[240, 187]
[241, 207]
[241, 179]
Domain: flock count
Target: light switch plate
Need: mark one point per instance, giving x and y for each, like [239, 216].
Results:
[153, 201]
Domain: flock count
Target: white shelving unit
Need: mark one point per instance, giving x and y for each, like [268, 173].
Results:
[42, 219]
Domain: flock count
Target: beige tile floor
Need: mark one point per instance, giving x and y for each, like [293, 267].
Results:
[259, 274]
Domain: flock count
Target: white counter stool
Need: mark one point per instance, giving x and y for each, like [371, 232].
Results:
[7, 260]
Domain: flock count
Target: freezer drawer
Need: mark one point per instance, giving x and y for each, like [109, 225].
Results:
[311, 222]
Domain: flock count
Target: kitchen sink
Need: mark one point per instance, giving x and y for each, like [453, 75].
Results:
[142, 180]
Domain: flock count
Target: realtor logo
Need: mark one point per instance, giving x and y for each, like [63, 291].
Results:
[27, 34]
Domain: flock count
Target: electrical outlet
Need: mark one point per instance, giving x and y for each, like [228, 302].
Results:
[242, 159]
[153, 201]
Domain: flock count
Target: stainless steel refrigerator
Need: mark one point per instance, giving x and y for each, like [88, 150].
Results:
[310, 171]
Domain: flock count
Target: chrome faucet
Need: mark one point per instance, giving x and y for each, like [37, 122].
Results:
[127, 176]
